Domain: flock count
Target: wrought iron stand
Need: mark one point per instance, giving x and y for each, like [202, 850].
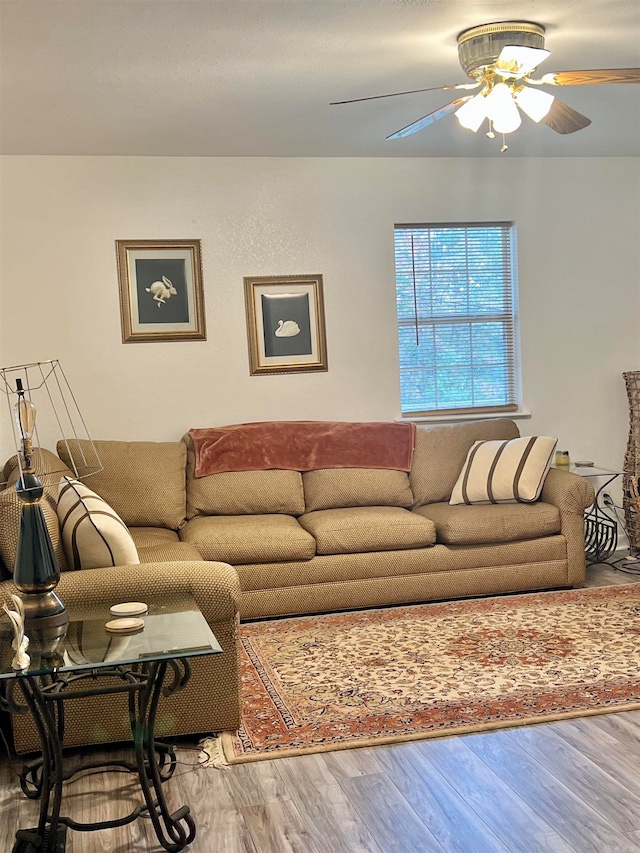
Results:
[155, 762]
[600, 529]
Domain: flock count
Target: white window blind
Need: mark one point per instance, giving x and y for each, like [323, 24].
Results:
[455, 287]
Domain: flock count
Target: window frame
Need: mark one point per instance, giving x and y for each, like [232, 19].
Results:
[514, 376]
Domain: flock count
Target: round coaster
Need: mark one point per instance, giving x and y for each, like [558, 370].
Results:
[129, 608]
[124, 626]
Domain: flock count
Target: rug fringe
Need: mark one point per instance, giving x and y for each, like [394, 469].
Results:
[212, 754]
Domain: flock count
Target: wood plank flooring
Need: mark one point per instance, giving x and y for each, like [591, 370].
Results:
[564, 787]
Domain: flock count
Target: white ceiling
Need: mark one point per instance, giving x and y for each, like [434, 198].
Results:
[255, 77]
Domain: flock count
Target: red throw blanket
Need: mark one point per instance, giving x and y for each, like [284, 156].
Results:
[303, 446]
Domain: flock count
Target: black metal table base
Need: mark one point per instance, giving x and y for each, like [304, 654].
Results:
[600, 531]
[154, 762]
[28, 841]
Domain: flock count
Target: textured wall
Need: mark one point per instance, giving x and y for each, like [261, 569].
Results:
[578, 268]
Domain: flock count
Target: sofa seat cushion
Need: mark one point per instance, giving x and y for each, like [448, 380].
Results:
[491, 523]
[145, 537]
[159, 545]
[331, 488]
[373, 528]
[240, 539]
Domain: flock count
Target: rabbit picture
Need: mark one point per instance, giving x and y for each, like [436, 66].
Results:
[162, 290]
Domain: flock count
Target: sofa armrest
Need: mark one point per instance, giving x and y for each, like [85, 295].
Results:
[216, 589]
[572, 495]
[214, 586]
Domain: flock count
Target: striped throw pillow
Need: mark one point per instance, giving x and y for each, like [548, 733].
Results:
[93, 534]
[504, 471]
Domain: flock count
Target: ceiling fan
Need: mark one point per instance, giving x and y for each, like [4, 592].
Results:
[499, 58]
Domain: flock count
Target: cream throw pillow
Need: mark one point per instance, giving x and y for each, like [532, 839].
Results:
[504, 471]
[93, 534]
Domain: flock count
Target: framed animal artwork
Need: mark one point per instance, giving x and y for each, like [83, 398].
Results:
[161, 292]
[285, 324]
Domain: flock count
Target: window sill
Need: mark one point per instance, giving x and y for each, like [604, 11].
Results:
[468, 416]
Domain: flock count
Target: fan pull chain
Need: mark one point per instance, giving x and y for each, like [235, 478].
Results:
[415, 293]
[490, 133]
[505, 147]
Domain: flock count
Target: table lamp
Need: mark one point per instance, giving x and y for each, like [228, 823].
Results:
[36, 572]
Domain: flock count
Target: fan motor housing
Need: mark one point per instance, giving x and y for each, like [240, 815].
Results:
[481, 46]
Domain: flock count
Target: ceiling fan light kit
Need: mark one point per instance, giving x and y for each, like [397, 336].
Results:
[472, 113]
[517, 61]
[480, 47]
[534, 102]
[500, 58]
[502, 110]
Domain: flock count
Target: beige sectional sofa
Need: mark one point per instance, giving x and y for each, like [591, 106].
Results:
[327, 539]
[336, 539]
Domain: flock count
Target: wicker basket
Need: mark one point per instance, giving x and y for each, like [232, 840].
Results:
[630, 500]
[635, 494]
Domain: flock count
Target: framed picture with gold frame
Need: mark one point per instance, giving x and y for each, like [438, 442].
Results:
[161, 292]
[285, 324]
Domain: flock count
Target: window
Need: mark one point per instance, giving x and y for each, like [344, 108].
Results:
[456, 299]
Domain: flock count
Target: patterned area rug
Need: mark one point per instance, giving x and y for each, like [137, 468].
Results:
[319, 683]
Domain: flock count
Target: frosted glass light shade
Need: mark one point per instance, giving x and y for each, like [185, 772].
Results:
[535, 103]
[501, 109]
[517, 61]
[472, 113]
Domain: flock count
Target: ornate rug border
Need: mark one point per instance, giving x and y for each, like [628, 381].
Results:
[226, 738]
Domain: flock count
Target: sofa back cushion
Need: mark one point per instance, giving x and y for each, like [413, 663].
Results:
[46, 464]
[335, 488]
[441, 452]
[242, 492]
[144, 481]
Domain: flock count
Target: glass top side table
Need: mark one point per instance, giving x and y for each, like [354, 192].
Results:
[600, 527]
[87, 660]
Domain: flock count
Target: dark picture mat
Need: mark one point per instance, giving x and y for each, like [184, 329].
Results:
[294, 307]
[176, 308]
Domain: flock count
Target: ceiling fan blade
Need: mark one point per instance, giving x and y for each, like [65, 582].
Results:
[411, 92]
[425, 121]
[564, 119]
[591, 77]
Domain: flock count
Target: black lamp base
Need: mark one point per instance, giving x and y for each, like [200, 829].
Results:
[36, 572]
[43, 610]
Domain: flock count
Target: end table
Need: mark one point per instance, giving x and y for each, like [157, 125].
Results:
[89, 661]
[600, 528]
